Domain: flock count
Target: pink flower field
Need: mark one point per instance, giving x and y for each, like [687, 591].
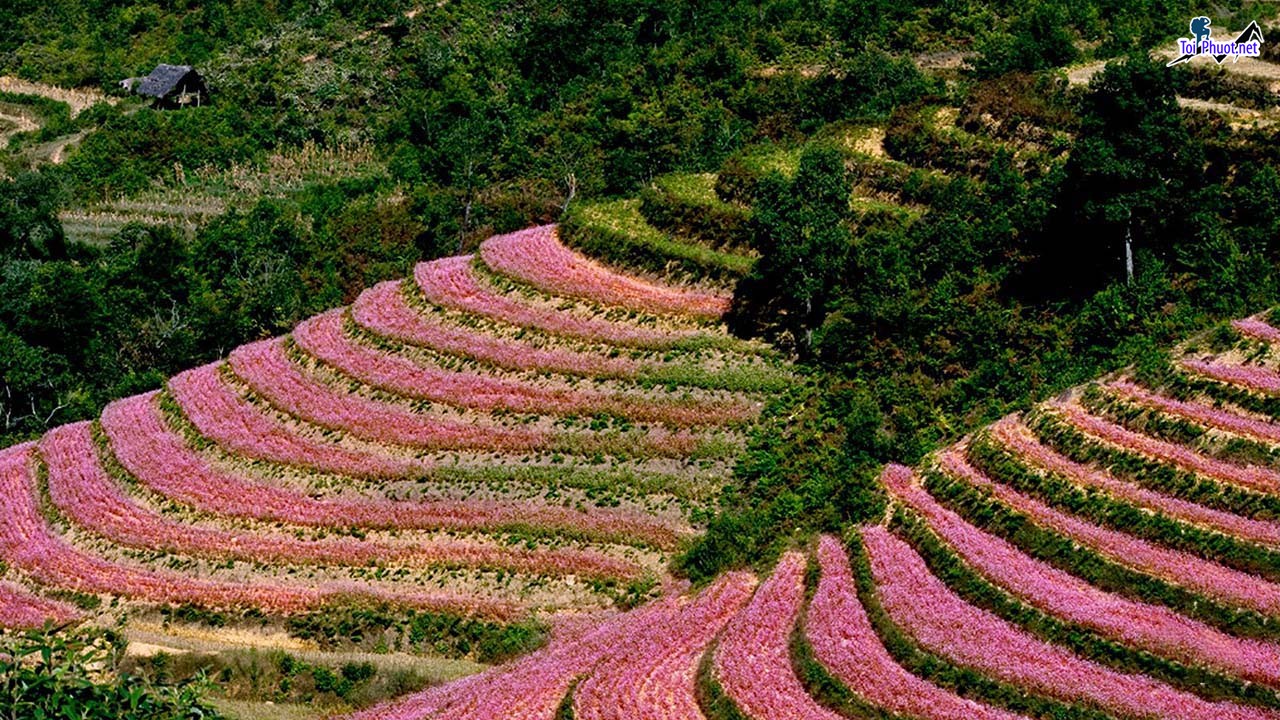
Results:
[844, 641]
[1015, 436]
[945, 624]
[537, 257]
[151, 453]
[1250, 476]
[323, 338]
[498, 470]
[28, 543]
[1150, 627]
[306, 452]
[1199, 412]
[451, 283]
[83, 491]
[1257, 328]
[1180, 568]
[1252, 377]
[752, 662]
[383, 310]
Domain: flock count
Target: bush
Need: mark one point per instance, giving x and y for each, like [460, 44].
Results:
[51, 674]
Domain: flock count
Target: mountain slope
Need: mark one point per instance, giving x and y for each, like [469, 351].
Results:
[519, 435]
[1113, 553]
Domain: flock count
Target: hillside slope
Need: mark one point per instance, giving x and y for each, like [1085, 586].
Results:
[1113, 553]
[517, 437]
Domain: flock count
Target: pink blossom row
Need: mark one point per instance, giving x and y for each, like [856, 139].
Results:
[1174, 566]
[221, 414]
[451, 282]
[658, 680]
[21, 609]
[1199, 412]
[162, 461]
[1251, 476]
[27, 543]
[1257, 328]
[86, 494]
[1250, 376]
[265, 366]
[753, 660]
[945, 624]
[1150, 627]
[322, 337]
[536, 685]
[537, 257]
[843, 640]
[385, 311]
[1018, 438]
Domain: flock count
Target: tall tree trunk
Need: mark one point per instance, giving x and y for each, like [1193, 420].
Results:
[1128, 250]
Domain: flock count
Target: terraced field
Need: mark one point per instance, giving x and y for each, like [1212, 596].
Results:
[519, 436]
[1111, 554]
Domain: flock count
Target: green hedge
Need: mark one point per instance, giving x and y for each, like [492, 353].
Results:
[979, 509]
[616, 233]
[1061, 436]
[1156, 423]
[977, 590]
[1106, 511]
[961, 680]
[677, 205]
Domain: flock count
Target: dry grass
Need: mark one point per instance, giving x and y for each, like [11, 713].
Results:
[78, 99]
[249, 710]
[190, 197]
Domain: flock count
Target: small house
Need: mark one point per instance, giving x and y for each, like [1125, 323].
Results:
[170, 87]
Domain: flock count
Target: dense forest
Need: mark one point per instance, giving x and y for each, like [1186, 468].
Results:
[988, 272]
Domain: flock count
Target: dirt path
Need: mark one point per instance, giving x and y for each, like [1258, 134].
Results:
[148, 639]
[21, 123]
[1248, 67]
[57, 150]
[78, 99]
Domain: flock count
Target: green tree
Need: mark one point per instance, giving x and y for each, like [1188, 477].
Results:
[1036, 40]
[798, 226]
[29, 226]
[1132, 179]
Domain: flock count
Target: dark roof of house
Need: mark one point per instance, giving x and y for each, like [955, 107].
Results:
[162, 80]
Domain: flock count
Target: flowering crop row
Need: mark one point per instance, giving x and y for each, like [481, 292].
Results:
[1172, 566]
[534, 687]
[945, 624]
[267, 369]
[385, 311]
[753, 661]
[86, 494]
[658, 680]
[537, 257]
[1016, 437]
[1251, 476]
[219, 413]
[1250, 376]
[1150, 627]
[1198, 412]
[1257, 328]
[161, 460]
[26, 542]
[843, 640]
[20, 609]
[322, 337]
[451, 282]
